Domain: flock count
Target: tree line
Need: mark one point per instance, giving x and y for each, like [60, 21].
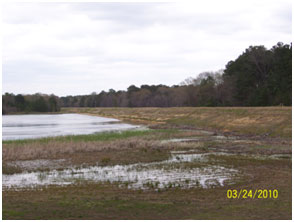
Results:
[258, 77]
[29, 103]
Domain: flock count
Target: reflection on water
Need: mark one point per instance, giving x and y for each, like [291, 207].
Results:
[163, 174]
[36, 126]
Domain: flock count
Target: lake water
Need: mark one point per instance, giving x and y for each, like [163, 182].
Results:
[16, 127]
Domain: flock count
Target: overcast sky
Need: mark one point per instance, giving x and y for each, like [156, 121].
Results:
[80, 48]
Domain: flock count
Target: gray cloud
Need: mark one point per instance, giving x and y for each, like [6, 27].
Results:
[78, 48]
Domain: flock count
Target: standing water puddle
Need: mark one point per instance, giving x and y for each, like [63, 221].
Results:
[164, 174]
[196, 139]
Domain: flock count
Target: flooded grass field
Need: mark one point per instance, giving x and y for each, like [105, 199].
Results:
[174, 172]
[158, 173]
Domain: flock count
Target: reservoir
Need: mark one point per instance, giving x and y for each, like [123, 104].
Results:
[15, 127]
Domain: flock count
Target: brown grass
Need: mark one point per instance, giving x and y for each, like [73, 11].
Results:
[54, 149]
[272, 121]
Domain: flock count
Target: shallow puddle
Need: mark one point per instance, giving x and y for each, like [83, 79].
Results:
[156, 175]
[179, 140]
[200, 138]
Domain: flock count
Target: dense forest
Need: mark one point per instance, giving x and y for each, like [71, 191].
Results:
[258, 77]
[29, 103]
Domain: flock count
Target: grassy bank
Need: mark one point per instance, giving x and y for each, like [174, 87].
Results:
[268, 121]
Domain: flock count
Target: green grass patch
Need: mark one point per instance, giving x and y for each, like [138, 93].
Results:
[12, 214]
[104, 136]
